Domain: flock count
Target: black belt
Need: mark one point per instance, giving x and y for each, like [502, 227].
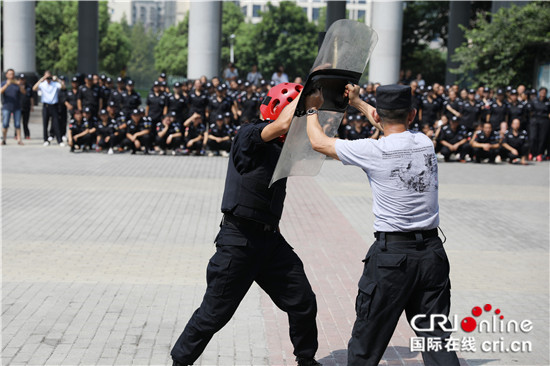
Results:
[246, 223]
[407, 236]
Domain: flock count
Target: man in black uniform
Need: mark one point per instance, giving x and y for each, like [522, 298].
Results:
[218, 104]
[406, 268]
[452, 139]
[105, 91]
[515, 145]
[355, 129]
[130, 99]
[88, 96]
[156, 104]
[498, 113]
[119, 132]
[219, 137]
[169, 135]
[116, 95]
[104, 130]
[79, 136]
[431, 107]
[539, 123]
[517, 109]
[486, 143]
[178, 103]
[196, 134]
[138, 133]
[71, 99]
[248, 104]
[250, 240]
[471, 110]
[27, 106]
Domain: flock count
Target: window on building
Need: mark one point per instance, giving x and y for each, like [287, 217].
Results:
[243, 9]
[256, 10]
[315, 13]
[361, 15]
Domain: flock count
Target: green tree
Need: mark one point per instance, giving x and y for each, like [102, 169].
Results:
[285, 37]
[232, 18]
[115, 50]
[496, 55]
[50, 26]
[172, 49]
[141, 67]
[246, 48]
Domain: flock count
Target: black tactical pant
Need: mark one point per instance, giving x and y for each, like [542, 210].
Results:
[402, 275]
[244, 255]
[446, 152]
[483, 154]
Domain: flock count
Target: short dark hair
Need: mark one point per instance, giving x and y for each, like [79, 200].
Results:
[394, 115]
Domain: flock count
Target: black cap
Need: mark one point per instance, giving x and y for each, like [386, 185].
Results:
[263, 82]
[141, 110]
[156, 83]
[486, 89]
[111, 104]
[74, 79]
[513, 92]
[272, 83]
[533, 91]
[130, 82]
[358, 117]
[219, 88]
[87, 110]
[108, 80]
[350, 118]
[21, 76]
[455, 119]
[89, 77]
[224, 86]
[172, 114]
[208, 85]
[163, 75]
[163, 83]
[471, 91]
[103, 111]
[239, 82]
[219, 117]
[103, 77]
[119, 79]
[227, 115]
[428, 88]
[136, 111]
[509, 88]
[393, 97]
[247, 84]
[500, 92]
[177, 84]
[62, 77]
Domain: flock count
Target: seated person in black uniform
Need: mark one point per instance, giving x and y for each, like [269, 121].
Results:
[138, 132]
[515, 145]
[219, 137]
[196, 134]
[78, 135]
[452, 139]
[250, 240]
[103, 130]
[485, 143]
[355, 129]
[169, 135]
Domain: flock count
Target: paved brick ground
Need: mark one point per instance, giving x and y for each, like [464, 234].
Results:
[104, 257]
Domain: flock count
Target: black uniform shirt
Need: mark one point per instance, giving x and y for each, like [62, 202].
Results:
[121, 125]
[493, 138]
[219, 132]
[498, 114]
[540, 110]
[194, 132]
[72, 98]
[249, 106]
[116, 97]
[352, 134]
[517, 111]
[457, 105]
[156, 105]
[130, 101]
[179, 105]
[516, 141]
[216, 106]
[471, 113]
[198, 103]
[76, 127]
[105, 95]
[452, 137]
[430, 110]
[105, 130]
[26, 98]
[89, 96]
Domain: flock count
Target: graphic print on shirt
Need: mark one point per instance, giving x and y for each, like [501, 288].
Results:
[419, 174]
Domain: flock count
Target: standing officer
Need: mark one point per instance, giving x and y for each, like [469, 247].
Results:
[71, 98]
[116, 95]
[88, 96]
[131, 99]
[27, 105]
[471, 110]
[539, 123]
[156, 103]
[250, 240]
[406, 268]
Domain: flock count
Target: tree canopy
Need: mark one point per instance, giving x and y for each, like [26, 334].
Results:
[494, 52]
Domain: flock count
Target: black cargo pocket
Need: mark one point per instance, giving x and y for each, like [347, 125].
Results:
[364, 297]
[384, 260]
[217, 273]
[230, 235]
[439, 272]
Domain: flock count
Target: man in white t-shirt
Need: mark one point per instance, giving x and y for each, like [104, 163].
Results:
[406, 268]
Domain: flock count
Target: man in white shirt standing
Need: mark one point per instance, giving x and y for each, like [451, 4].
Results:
[406, 268]
[49, 89]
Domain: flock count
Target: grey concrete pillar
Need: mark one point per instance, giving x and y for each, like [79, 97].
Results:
[387, 21]
[19, 36]
[88, 37]
[336, 10]
[205, 19]
[459, 14]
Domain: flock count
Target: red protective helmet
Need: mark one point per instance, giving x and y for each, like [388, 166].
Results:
[279, 97]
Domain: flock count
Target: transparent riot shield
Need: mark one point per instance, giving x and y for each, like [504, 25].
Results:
[342, 59]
